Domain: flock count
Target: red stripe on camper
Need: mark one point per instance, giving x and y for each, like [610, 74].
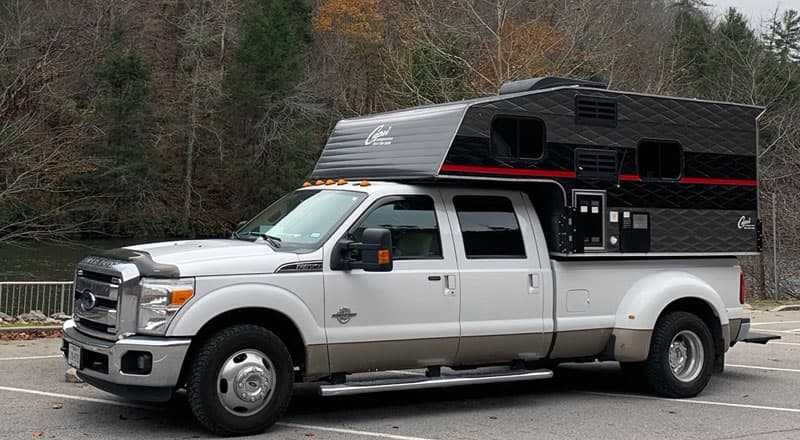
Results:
[507, 171]
[571, 175]
[714, 181]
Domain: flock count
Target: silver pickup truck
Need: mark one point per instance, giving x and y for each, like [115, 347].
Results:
[376, 276]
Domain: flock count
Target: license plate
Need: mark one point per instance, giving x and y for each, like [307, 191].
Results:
[74, 356]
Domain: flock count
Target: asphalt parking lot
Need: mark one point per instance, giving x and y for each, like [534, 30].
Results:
[758, 397]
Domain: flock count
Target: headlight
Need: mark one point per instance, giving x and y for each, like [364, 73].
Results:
[159, 301]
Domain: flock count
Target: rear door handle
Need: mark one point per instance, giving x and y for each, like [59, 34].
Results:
[434, 278]
[533, 283]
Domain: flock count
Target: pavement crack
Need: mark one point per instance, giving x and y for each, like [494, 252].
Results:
[753, 434]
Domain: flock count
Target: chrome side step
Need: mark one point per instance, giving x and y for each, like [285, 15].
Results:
[421, 383]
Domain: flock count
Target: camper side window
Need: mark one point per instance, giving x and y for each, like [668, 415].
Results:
[659, 160]
[517, 138]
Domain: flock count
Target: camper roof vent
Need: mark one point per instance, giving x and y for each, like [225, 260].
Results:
[596, 164]
[546, 82]
[594, 110]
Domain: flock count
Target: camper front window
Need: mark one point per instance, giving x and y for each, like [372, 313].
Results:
[517, 138]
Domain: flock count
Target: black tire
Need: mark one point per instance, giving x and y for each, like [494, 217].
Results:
[658, 374]
[202, 380]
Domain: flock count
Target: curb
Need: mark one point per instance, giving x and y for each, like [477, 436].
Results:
[787, 308]
[29, 329]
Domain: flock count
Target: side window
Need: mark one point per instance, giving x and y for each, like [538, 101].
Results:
[659, 160]
[489, 227]
[520, 138]
[412, 221]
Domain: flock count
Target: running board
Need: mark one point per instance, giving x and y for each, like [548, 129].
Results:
[759, 338]
[376, 386]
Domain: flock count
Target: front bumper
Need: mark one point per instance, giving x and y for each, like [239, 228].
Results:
[101, 363]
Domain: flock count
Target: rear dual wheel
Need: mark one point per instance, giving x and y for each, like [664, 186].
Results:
[681, 357]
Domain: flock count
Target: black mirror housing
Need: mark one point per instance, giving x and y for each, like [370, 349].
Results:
[376, 250]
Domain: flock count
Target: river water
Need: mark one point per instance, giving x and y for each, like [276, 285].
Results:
[48, 261]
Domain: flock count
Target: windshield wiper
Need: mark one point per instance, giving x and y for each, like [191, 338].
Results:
[271, 239]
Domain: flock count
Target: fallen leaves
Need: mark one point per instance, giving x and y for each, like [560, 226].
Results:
[26, 335]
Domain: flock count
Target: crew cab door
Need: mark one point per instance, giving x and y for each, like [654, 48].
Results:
[502, 285]
[404, 318]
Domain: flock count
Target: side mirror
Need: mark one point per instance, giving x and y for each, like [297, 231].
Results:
[376, 250]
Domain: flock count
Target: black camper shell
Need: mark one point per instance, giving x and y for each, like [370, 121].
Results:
[611, 173]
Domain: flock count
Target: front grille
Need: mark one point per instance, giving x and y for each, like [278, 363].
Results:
[96, 326]
[97, 276]
[100, 320]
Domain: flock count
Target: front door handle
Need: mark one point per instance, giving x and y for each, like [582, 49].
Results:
[450, 285]
[434, 278]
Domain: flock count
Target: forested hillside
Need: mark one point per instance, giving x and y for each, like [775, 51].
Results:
[181, 117]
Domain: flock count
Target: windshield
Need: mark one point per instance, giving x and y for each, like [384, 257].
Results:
[303, 219]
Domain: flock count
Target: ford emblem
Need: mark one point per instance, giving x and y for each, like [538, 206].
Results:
[87, 301]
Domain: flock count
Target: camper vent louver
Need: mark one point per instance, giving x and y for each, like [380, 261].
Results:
[592, 110]
[596, 164]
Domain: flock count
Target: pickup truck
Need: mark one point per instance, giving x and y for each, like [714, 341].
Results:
[341, 277]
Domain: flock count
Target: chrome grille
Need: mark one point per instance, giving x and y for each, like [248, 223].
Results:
[98, 314]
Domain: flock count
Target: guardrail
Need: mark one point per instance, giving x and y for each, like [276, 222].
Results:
[49, 297]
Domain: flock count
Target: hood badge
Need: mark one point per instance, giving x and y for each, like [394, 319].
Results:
[343, 315]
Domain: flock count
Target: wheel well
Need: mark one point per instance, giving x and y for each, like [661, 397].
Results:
[704, 311]
[272, 320]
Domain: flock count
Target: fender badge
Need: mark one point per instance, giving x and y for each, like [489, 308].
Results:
[343, 315]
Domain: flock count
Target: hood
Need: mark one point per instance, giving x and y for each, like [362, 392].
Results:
[215, 257]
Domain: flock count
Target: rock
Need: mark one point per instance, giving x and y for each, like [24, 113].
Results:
[52, 321]
[61, 316]
[72, 377]
[5, 317]
[786, 308]
[33, 316]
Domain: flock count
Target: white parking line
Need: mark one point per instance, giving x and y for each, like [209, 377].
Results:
[71, 397]
[756, 367]
[350, 431]
[26, 358]
[753, 324]
[140, 406]
[779, 343]
[694, 401]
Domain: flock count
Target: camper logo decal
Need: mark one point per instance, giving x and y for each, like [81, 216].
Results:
[746, 222]
[379, 136]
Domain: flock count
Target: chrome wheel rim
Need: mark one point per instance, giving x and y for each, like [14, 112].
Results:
[686, 356]
[245, 382]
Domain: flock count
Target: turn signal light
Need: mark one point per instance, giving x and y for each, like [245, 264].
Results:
[179, 297]
[383, 256]
[742, 293]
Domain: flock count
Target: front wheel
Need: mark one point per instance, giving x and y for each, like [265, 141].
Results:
[681, 357]
[240, 381]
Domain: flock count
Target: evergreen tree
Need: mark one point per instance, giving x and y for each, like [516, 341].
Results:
[270, 53]
[785, 36]
[127, 175]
